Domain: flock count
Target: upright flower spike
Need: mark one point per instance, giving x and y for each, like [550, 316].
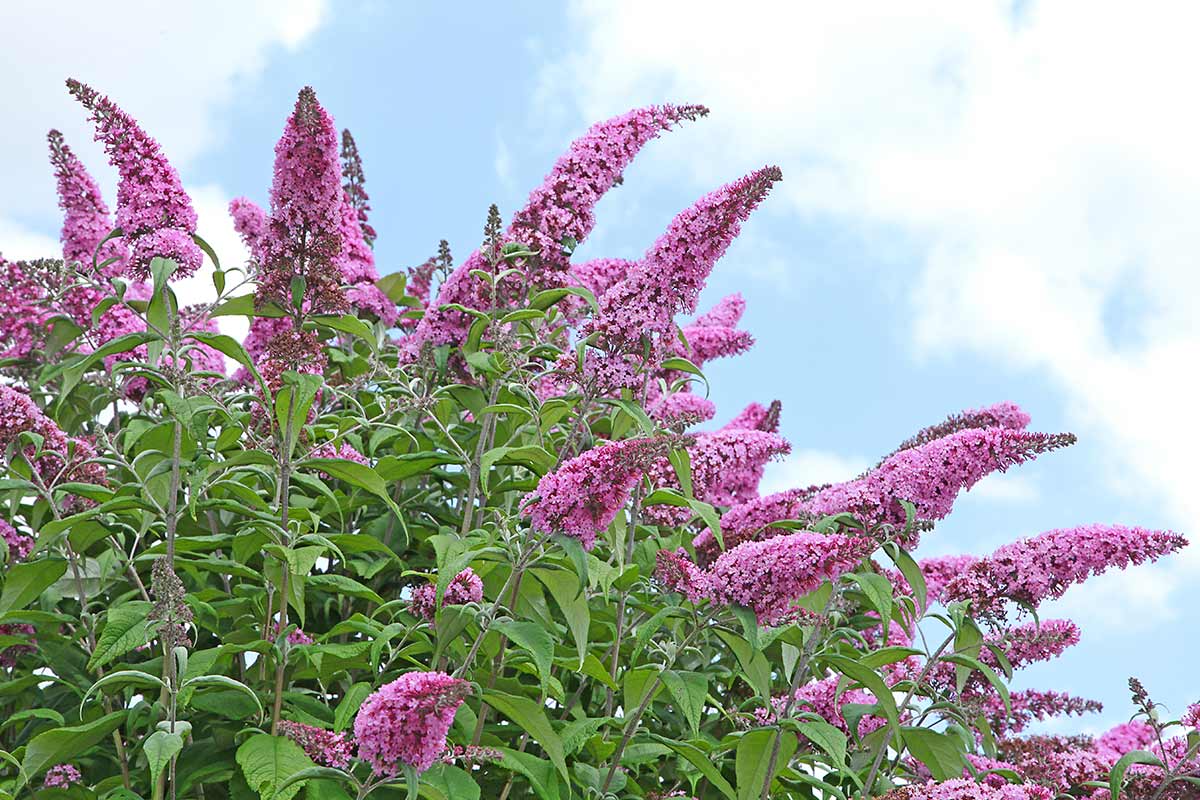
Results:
[404, 723]
[354, 182]
[86, 221]
[304, 234]
[768, 576]
[557, 217]
[668, 280]
[931, 475]
[582, 497]
[154, 213]
[1043, 567]
[560, 212]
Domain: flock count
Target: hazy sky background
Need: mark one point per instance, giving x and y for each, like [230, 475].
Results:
[980, 203]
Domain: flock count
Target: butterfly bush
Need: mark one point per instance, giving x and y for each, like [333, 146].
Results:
[222, 553]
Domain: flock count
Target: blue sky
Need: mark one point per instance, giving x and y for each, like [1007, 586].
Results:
[978, 204]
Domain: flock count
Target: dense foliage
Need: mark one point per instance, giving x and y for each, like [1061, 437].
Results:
[460, 532]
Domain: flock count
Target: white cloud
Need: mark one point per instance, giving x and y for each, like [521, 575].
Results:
[810, 467]
[173, 67]
[1040, 162]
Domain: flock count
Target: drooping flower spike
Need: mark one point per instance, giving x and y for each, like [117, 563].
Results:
[154, 213]
[1043, 567]
[1004, 414]
[583, 496]
[931, 475]
[768, 576]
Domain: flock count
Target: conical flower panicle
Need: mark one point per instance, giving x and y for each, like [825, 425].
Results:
[768, 576]
[304, 235]
[86, 221]
[154, 213]
[404, 723]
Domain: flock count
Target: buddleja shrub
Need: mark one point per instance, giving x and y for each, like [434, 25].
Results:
[466, 532]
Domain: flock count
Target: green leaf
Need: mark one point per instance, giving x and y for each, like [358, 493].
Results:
[24, 583]
[911, 572]
[34, 713]
[230, 347]
[1117, 775]
[125, 627]
[355, 474]
[878, 591]
[698, 759]
[940, 752]
[533, 638]
[350, 324]
[564, 589]
[269, 761]
[160, 747]
[343, 715]
[871, 681]
[316, 773]
[450, 782]
[340, 584]
[133, 676]
[688, 691]
[65, 744]
[532, 718]
[754, 759]
[825, 736]
[225, 683]
[539, 772]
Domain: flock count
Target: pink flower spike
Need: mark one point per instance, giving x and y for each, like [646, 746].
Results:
[154, 213]
[404, 723]
[768, 576]
[1045, 566]
[583, 496]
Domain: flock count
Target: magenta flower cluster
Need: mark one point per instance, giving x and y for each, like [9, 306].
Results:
[583, 496]
[326, 748]
[62, 776]
[404, 723]
[465, 587]
[765, 576]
